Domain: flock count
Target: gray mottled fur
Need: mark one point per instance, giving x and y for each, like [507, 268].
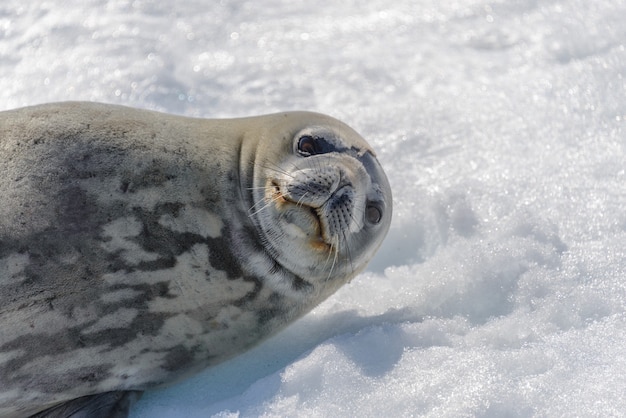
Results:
[128, 256]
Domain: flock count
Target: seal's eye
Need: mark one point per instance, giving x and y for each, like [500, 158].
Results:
[310, 145]
[373, 214]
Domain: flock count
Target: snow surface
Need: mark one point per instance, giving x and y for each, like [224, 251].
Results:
[501, 289]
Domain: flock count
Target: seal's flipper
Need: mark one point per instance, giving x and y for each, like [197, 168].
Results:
[102, 405]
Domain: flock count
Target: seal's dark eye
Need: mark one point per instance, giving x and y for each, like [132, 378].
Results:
[307, 145]
[310, 145]
[373, 214]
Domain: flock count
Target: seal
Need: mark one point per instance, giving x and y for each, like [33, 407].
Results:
[137, 248]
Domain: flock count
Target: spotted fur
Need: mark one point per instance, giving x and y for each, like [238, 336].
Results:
[138, 247]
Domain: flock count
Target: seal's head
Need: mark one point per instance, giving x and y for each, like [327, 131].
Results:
[323, 206]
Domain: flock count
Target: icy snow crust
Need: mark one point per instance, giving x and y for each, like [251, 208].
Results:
[501, 289]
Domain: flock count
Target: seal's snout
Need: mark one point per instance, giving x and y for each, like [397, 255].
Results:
[319, 204]
[338, 212]
[312, 186]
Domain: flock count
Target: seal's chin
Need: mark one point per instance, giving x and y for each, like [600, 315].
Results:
[301, 222]
[317, 239]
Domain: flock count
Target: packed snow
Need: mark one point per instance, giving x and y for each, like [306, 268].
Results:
[501, 287]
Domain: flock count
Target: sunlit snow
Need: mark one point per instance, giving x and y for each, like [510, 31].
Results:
[501, 288]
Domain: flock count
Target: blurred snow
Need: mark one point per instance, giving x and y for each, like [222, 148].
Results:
[501, 289]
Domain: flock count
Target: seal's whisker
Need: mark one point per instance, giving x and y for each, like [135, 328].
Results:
[348, 251]
[353, 215]
[294, 166]
[280, 170]
[261, 209]
[330, 253]
[256, 204]
[335, 255]
[265, 206]
[299, 202]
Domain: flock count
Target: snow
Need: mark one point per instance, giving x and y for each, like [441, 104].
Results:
[501, 288]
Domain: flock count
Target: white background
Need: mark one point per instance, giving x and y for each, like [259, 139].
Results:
[501, 289]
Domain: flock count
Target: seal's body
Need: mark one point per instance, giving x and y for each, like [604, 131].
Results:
[138, 247]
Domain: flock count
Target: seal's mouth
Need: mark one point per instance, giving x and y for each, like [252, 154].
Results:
[307, 220]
